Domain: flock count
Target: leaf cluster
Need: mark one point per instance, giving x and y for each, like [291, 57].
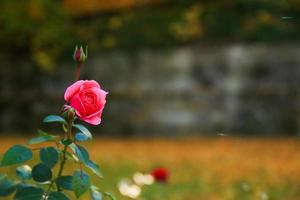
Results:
[45, 180]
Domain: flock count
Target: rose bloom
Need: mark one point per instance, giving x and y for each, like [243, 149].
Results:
[88, 100]
[160, 174]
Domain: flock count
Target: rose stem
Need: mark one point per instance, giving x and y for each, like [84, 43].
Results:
[78, 70]
[49, 188]
[64, 157]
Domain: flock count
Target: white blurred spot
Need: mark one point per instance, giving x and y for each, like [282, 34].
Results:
[27, 167]
[246, 187]
[128, 189]
[264, 196]
[138, 178]
[143, 179]
[148, 179]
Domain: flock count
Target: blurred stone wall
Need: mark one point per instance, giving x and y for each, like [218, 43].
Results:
[233, 89]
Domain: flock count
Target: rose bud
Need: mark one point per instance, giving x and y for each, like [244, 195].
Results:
[88, 100]
[68, 112]
[79, 55]
[71, 114]
[160, 174]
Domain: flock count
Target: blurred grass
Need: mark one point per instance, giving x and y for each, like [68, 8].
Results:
[201, 168]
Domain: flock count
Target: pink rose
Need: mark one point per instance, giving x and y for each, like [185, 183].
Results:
[88, 100]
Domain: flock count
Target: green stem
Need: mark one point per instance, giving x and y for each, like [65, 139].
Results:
[62, 164]
[49, 188]
[64, 152]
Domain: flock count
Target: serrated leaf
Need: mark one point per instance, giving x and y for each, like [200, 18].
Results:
[16, 154]
[80, 183]
[54, 118]
[84, 130]
[95, 193]
[64, 182]
[43, 137]
[7, 187]
[57, 196]
[81, 137]
[24, 172]
[49, 156]
[29, 193]
[41, 173]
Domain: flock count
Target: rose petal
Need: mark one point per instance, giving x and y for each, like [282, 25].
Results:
[95, 114]
[72, 90]
[90, 84]
[78, 106]
[93, 120]
[101, 94]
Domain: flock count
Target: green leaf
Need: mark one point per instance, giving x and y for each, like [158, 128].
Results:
[21, 185]
[7, 187]
[108, 194]
[41, 173]
[80, 152]
[84, 157]
[95, 168]
[64, 182]
[72, 156]
[57, 196]
[34, 193]
[24, 172]
[16, 154]
[43, 137]
[84, 130]
[29, 193]
[95, 193]
[80, 183]
[49, 156]
[67, 142]
[54, 118]
[42, 133]
[81, 137]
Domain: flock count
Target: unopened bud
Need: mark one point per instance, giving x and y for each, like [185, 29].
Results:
[79, 54]
[71, 114]
[68, 112]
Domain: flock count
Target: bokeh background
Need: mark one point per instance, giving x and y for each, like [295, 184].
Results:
[175, 70]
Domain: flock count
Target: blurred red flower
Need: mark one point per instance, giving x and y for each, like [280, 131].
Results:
[160, 174]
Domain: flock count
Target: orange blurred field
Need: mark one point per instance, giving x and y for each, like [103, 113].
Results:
[207, 168]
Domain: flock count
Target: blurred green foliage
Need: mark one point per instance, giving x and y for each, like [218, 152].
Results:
[45, 32]
[35, 30]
